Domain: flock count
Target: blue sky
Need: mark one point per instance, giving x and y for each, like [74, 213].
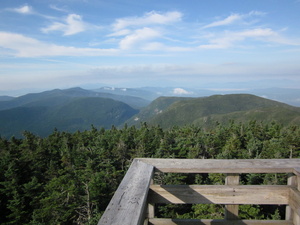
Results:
[195, 43]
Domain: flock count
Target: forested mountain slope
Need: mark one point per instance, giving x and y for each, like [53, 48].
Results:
[75, 114]
[222, 108]
[156, 107]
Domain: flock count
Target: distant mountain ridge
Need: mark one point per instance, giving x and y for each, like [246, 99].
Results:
[78, 114]
[58, 96]
[68, 110]
[223, 108]
[78, 109]
[286, 95]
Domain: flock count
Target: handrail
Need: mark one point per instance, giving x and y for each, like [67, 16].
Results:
[129, 203]
[223, 165]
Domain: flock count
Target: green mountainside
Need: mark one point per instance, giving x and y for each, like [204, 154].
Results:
[155, 108]
[76, 114]
[222, 108]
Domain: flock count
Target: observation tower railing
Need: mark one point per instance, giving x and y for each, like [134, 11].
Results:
[134, 201]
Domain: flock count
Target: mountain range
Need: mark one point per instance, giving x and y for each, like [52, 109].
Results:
[206, 111]
[78, 109]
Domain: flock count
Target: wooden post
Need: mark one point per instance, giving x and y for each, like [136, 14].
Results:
[151, 212]
[232, 211]
[296, 184]
[288, 210]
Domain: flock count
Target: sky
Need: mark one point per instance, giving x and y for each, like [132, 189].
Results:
[47, 44]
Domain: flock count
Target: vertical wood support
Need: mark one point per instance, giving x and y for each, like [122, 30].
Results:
[151, 212]
[232, 211]
[292, 179]
[296, 183]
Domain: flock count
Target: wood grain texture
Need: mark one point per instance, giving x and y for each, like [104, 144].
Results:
[232, 211]
[219, 194]
[129, 201]
[223, 165]
[294, 200]
[297, 171]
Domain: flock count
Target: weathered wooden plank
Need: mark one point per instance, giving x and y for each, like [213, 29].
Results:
[129, 201]
[295, 197]
[294, 200]
[292, 182]
[217, 222]
[224, 165]
[232, 211]
[219, 194]
[297, 171]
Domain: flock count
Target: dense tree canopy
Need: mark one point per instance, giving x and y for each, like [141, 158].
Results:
[69, 178]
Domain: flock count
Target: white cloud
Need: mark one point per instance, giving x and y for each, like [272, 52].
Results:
[122, 32]
[138, 37]
[139, 32]
[180, 91]
[26, 9]
[73, 25]
[259, 32]
[22, 46]
[160, 47]
[234, 18]
[150, 18]
[229, 20]
[59, 9]
[256, 13]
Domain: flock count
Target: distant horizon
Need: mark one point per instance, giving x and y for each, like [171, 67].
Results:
[289, 96]
[215, 44]
[216, 88]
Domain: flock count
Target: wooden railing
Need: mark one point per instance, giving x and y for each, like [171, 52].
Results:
[133, 202]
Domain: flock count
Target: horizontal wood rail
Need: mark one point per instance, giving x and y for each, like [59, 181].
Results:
[134, 200]
[220, 194]
[217, 222]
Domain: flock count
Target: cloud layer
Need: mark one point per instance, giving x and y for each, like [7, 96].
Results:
[151, 33]
[22, 46]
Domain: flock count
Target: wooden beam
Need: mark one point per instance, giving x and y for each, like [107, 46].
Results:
[217, 222]
[291, 181]
[297, 173]
[220, 194]
[223, 165]
[129, 202]
[294, 201]
[232, 211]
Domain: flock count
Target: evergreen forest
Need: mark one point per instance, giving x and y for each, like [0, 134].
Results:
[69, 178]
